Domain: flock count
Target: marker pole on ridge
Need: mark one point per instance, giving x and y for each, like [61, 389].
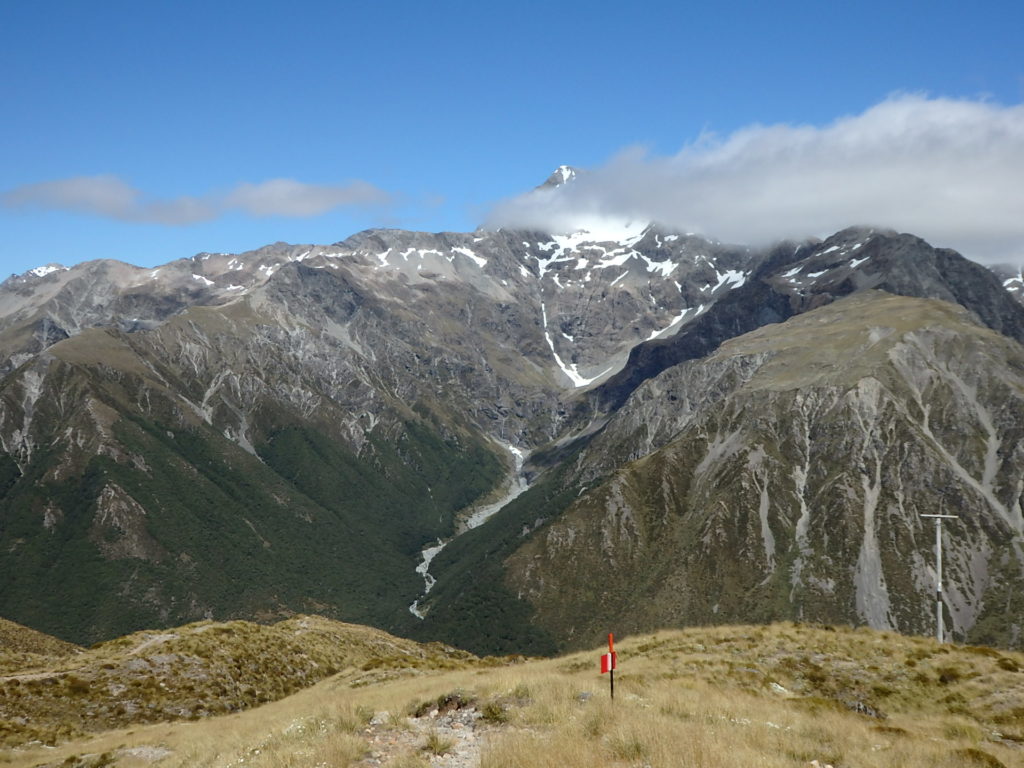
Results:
[609, 662]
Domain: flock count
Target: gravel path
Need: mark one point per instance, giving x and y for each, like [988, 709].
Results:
[390, 738]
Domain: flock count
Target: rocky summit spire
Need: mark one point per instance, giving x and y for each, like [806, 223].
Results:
[563, 174]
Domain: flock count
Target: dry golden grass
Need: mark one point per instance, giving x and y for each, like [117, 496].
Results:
[198, 671]
[782, 695]
[705, 725]
[22, 648]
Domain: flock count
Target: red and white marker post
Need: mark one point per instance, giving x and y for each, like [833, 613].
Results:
[610, 662]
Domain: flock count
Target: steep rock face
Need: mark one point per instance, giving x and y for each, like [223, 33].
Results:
[506, 320]
[783, 476]
[1012, 278]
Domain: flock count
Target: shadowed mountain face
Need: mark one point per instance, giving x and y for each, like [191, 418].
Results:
[284, 430]
[791, 281]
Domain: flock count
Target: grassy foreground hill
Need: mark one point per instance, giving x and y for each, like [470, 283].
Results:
[21, 647]
[187, 673]
[783, 695]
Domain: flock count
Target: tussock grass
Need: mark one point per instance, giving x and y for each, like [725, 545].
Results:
[777, 696]
[197, 671]
[437, 744]
[22, 648]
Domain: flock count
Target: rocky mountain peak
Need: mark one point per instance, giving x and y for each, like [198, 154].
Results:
[563, 174]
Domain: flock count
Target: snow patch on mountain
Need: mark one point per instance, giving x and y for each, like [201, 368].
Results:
[469, 254]
[625, 233]
[572, 371]
[733, 278]
[676, 322]
[47, 269]
[562, 175]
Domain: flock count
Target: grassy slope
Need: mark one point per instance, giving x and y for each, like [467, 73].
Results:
[777, 696]
[24, 648]
[195, 671]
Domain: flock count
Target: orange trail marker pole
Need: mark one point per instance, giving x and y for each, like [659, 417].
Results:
[612, 663]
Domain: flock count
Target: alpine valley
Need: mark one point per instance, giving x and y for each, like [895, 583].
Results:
[514, 441]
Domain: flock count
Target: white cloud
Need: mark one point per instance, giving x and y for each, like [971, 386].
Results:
[951, 171]
[111, 197]
[286, 197]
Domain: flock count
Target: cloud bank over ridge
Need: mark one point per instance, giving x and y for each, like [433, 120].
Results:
[951, 171]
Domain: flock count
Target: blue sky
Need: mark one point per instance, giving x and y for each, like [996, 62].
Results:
[151, 131]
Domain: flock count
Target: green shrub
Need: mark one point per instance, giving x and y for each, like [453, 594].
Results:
[494, 712]
[437, 744]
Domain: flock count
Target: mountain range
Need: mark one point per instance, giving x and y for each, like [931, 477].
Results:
[513, 441]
